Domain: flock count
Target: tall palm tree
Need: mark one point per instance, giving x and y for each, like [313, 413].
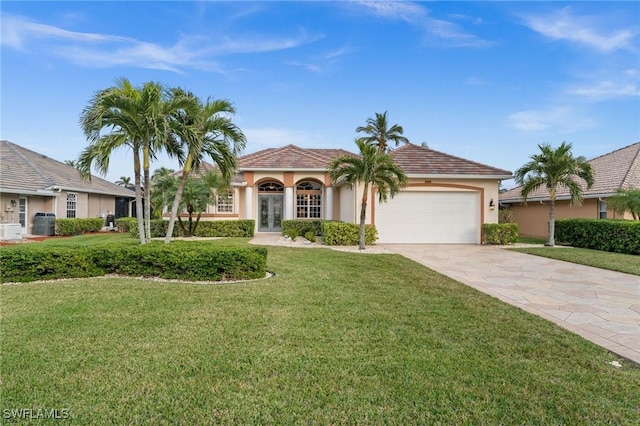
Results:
[626, 200]
[379, 133]
[116, 109]
[553, 168]
[205, 131]
[372, 168]
[198, 193]
[137, 118]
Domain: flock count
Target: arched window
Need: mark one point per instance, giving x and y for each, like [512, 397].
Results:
[308, 200]
[72, 205]
[270, 186]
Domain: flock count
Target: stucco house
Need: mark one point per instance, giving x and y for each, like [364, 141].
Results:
[32, 183]
[447, 200]
[616, 170]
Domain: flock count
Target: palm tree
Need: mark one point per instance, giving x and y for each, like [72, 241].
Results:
[163, 183]
[378, 133]
[71, 163]
[373, 167]
[136, 118]
[124, 181]
[206, 131]
[553, 168]
[198, 192]
[626, 200]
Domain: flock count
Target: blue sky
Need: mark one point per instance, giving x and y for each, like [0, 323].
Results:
[486, 81]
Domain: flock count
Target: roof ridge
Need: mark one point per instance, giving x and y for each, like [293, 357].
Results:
[17, 150]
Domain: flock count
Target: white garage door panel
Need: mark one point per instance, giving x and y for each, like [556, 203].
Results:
[430, 217]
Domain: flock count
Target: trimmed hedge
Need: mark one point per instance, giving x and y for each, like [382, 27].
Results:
[347, 234]
[614, 235]
[499, 233]
[302, 227]
[181, 260]
[124, 223]
[78, 226]
[217, 228]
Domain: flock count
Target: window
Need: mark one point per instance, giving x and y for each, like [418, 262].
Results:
[72, 205]
[602, 209]
[308, 200]
[270, 187]
[23, 212]
[224, 202]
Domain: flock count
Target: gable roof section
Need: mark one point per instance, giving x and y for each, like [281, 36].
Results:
[290, 157]
[26, 171]
[427, 162]
[616, 170]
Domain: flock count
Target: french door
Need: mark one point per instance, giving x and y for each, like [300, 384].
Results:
[270, 212]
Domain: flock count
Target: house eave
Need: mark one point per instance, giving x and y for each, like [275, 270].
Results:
[560, 198]
[458, 176]
[59, 188]
[22, 191]
[283, 169]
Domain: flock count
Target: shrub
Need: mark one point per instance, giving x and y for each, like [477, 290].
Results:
[290, 232]
[124, 224]
[180, 260]
[304, 226]
[218, 228]
[347, 234]
[310, 235]
[499, 233]
[618, 236]
[78, 226]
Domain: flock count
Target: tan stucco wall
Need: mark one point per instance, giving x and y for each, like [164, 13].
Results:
[533, 218]
[34, 204]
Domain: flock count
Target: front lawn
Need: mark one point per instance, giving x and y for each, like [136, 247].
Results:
[626, 263]
[333, 338]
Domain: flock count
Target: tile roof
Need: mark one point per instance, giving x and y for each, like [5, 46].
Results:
[290, 157]
[24, 170]
[414, 160]
[419, 160]
[619, 169]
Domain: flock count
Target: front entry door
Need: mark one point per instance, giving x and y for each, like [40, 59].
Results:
[270, 213]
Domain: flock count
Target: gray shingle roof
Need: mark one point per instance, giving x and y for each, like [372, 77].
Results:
[28, 171]
[619, 169]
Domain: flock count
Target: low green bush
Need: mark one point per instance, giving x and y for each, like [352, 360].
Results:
[310, 235]
[124, 224]
[499, 233]
[303, 226]
[179, 260]
[217, 228]
[78, 226]
[290, 232]
[618, 236]
[347, 234]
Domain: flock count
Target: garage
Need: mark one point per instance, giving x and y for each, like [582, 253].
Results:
[448, 217]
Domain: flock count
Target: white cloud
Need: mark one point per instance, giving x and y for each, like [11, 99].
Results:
[560, 119]
[606, 90]
[436, 29]
[103, 50]
[564, 25]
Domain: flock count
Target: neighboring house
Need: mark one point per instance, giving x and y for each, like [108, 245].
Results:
[447, 199]
[32, 183]
[616, 170]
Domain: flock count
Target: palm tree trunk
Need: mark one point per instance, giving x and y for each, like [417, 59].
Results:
[552, 223]
[147, 193]
[174, 207]
[138, 189]
[363, 217]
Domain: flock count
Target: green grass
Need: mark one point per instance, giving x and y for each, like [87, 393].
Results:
[626, 263]
[531, 240]
[333, 338]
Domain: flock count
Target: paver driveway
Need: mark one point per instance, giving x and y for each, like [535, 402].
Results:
[599, 305]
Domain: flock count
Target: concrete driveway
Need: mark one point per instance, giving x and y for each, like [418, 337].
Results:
[599, 305]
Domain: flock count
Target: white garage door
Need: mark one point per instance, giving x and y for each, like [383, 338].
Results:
[430, 217]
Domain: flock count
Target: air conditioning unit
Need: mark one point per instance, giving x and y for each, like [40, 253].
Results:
[10, 231]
